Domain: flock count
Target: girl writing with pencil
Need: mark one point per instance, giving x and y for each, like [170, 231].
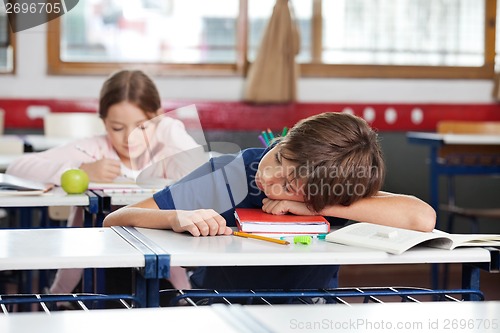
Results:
[329, 164]
[129, 103]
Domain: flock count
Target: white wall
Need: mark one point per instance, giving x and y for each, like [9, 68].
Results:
[31, 81]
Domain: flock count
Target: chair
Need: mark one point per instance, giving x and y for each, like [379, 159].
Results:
[12, 146]
[72, 125]
[468, 155]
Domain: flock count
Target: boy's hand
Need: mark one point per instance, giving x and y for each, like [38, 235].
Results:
[102, 171]
[201, 222]
[281, 207]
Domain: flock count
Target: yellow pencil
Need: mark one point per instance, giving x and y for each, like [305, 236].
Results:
[267, 239]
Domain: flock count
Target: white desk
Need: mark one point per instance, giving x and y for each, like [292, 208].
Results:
[106, 202]
[436, 141]
[397, 317]
[388, 317]
[179, 319]
[128, 197]
[36, 249]
[40, 142]
[454, 139]
[185, 250]
[176, 249]
[54, 197]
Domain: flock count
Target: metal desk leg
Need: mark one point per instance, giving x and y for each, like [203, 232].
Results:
[153, 293]
[104, 206]
[141, 288]
[434, 182]
[91, 210]
[434, 193]
[470, 280]
[147, 279]
[26, 217]
[162, 265]
[88, 280]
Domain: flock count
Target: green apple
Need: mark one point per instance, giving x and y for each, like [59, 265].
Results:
[74, 181]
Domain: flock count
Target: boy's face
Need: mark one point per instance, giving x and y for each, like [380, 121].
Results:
[276, 177]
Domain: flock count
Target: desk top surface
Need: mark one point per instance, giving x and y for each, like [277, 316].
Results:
[186, 250]
[397, 317]
[54, 197]
[407, 317]
[453, 139]
[66, 248]
[181, 319]
[128, 197]
[40, 142]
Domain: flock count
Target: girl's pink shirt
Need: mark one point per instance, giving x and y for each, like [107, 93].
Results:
[49, 165]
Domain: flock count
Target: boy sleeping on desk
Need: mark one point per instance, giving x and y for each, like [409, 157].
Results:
[329, 164]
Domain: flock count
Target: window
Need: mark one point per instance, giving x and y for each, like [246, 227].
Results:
[497, 44]
[421, 33]
[160, 35]
[6, 44]
[339, 38]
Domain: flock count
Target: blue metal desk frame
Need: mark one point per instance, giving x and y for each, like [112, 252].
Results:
[470, 271]
[146, 287]
[25, 220]
[436, 169]
[161, 267]
[148, 279]
[436, 141]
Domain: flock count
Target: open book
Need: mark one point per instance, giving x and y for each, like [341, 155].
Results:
[12, 185]
[397, 240]
[254, 220]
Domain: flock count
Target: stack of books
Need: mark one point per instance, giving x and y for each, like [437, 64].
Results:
[254, 220]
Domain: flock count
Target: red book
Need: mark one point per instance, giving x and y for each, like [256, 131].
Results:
[255, 220]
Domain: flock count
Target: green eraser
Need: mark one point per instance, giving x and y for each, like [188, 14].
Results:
[306, 240]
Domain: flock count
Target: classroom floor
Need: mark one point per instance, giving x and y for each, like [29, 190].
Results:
[412, 276]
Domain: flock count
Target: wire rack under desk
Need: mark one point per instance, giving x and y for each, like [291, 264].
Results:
[57, 302]
[197, 297]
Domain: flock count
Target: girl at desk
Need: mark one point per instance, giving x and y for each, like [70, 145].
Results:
[329, 164]
[128, 100]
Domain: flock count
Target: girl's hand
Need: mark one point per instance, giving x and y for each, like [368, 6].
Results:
[201, 222]
[102, 171]
[281, 207]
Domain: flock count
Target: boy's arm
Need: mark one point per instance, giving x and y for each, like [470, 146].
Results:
[397, 210]
[146, 214]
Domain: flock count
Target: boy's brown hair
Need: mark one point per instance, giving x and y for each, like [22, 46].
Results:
[132, 86]
[338, 158]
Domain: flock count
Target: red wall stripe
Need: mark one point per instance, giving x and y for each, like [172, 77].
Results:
[239, 116]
